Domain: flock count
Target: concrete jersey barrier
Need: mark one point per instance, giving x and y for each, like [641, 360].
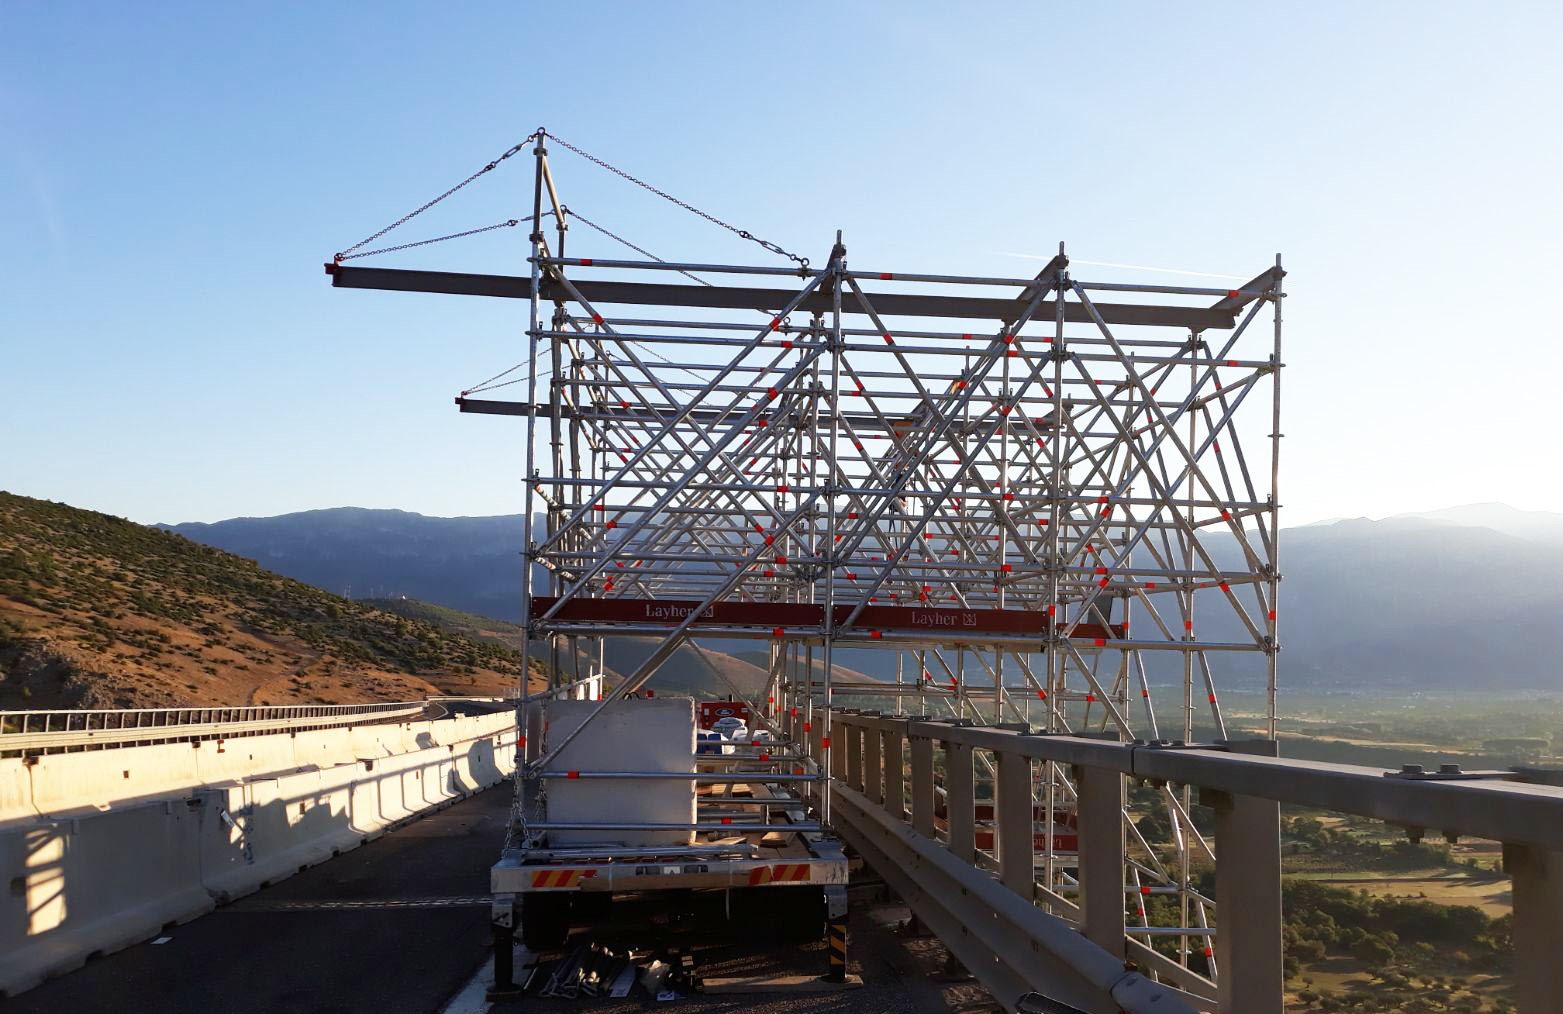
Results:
[104, 848]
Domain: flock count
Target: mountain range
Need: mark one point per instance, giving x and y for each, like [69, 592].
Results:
[1463, 597]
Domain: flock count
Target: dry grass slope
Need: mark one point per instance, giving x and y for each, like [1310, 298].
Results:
[96, 611]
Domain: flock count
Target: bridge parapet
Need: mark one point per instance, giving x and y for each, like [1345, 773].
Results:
[1016, 935]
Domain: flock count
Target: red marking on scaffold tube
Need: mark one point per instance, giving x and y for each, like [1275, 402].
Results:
[1150, 584]
[599, 507]
[1009, 339]
[1007, 568]
[1271, 614]
[1043, 521]
[1042, 695]
[769, 573]
[1216, 446]
[1101, 570]
[927, 535]
[1012, 353]
[851, 515]
[1232, 362]
[624, 404]
[807, 726]
[885, 276]
[1145, 890]
[1224, 586]
[1101, 642]
[1052, 609]
[776, 324]
[782, 560]
[1226, 515]
[596, 318]
[1102, 583]
[875, 635]
[793, 712]
[769, 539]
[782, 488]
[778, 632]
[1004, 410]
[572, 774]
[824, 743]
[611, 524]
[1188, 625]
[727, 820]
[1009, 496]
[889, 340]
[770, 700]
[770, 394]
[521, 741]
[1090, 698]
[1145, 693]
[762, 423]
[1212, 698]
[787, 344]
[1233, 293]
[764, 757]
[585, 262]
[759, 528]
[1209, 952]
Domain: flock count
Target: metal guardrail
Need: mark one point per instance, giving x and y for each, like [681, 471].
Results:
[1014, 936]
[36, 732]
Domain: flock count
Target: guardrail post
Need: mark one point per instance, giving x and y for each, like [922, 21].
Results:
[960, 801]
[922, 785]
[1012, 808]
[892, 751]
[1248, 896]
[854, 754]
[1537, 875]
[1100, 828]
[838, 756]
[873, 766]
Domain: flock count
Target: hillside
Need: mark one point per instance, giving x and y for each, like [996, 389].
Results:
[1437, 600]
[96, 611]
[469, 564]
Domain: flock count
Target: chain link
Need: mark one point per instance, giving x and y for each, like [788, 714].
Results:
[802, 262]
[345, 256]
[490, 167]
[572, 213]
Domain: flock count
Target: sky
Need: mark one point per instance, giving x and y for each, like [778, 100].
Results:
[172, 177]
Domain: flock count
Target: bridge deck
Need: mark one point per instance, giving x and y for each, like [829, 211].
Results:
[402, 924]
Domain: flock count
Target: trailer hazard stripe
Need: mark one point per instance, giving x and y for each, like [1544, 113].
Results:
[782, 873]
[561, 878]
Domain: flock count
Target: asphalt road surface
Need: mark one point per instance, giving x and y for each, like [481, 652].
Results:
[401, 925]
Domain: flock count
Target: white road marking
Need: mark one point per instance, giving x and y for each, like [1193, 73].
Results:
[162, 940]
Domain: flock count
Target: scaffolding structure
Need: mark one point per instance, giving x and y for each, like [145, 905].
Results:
[1040, 500]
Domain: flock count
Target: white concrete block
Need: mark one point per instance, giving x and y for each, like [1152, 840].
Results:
[656, 734]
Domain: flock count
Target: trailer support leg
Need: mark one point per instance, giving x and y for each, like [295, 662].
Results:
[836, 933]
[503, 923]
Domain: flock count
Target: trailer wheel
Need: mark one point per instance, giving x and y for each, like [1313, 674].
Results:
[545, 920]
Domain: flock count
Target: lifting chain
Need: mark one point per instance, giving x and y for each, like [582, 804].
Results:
[490, 167]
[352, 251]
[802, 262]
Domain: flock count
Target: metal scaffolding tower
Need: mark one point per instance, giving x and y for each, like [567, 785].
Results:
[1050, 501]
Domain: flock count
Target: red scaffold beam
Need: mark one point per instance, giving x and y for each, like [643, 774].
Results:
[783, 615]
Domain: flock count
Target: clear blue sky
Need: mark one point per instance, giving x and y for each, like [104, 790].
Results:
[173, 175]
